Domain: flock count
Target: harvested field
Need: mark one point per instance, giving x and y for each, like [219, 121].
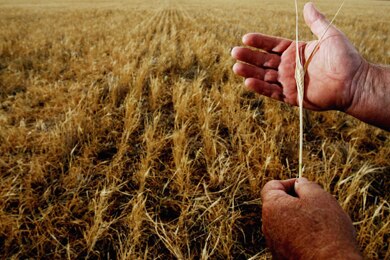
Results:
[125, 134]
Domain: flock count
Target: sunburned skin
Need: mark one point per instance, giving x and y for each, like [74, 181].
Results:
[302, 221]
[338, 77]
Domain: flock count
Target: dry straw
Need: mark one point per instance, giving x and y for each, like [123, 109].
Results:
[300, 71]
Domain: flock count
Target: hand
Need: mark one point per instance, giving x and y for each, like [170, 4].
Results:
[309, 225]
[331, 78]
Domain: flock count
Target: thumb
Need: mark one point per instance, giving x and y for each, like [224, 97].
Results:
[307, 189]
[315, 20]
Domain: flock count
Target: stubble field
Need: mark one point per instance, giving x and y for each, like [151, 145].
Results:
[125, 134]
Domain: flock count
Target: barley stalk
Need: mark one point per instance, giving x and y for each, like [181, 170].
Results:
[300, 80]
[300, 71]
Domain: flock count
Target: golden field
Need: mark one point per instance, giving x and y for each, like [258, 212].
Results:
[125, 134]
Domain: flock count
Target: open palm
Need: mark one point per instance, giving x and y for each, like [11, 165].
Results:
[329, 80]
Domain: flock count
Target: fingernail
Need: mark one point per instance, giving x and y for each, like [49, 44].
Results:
[234, 68]
[233, 51]
[302, 180]
[246, 83]
[244, 38]
[310, 4]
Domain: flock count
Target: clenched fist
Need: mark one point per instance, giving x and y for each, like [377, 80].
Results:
[302, 221]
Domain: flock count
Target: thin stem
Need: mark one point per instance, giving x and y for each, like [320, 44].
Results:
[300, 81]
[300, 142]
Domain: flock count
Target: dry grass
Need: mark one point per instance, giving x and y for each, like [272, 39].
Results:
[125, 134]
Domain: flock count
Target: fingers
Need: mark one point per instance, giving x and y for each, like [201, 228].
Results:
[316, 21]
[249, 71]
[276, 190]
[303, 188]
[264, 88]
[259, 59]
[265, 42]
[258, 79]
[284, 185]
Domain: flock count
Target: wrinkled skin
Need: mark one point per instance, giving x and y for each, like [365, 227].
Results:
[330, 81]
[302, 221]
[337, 78]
